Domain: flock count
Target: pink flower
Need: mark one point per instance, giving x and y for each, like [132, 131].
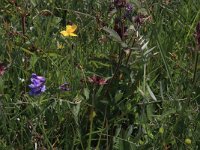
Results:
[97, 80]
[2, 69]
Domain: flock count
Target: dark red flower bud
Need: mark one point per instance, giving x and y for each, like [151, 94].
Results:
[97, 80]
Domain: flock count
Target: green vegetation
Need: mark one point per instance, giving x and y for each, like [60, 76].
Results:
[129, 80]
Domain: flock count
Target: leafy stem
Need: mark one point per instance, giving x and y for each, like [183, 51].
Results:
[195, 67]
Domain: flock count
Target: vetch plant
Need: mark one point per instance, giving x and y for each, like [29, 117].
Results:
[118, 89]
[37, 85]
[64, 87]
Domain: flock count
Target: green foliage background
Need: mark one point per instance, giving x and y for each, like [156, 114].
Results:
[152, 97]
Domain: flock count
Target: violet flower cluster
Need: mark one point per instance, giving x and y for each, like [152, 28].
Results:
[126, 12]
[37, 85]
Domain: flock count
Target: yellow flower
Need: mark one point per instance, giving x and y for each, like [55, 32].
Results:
[69, 30]
[161, 130]
[60, 46]
[92, 115]
[188, 141]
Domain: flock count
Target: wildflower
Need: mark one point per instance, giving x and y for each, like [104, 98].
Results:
[21, 79]
[161, 130]
[69, 30]
[92, 115]
[37, 85]
[2, 69]
[128, 12]
[97, 80]
[188, 141]
[60, 46]
[64, 87]
[129, 7]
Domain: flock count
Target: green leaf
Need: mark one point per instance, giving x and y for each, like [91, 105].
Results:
[144, 46]
[151, 93]
[129, 131]
[99, 91]
[86, 93]
[34, 2]
[148, 51]
[150, 134]
[117, 130]
[143, 94]
[98, 64]
[75, 111]
[124, 45]
[53, 55]
[149, 110]
[76, 107]
[1, 86]
[167, 113]
[118, 96]
[33, 61]
[56, 20]
[27, 51]
[113, 34]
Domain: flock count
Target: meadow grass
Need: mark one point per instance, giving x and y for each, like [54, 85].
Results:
[132, 74]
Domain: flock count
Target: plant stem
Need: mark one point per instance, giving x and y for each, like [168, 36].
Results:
[23, 20]
[91, 117]
[91, 125]
[116, 71]
[195, 67]
[104, 124]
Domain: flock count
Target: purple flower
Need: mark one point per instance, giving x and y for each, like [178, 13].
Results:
[129, 7]
[128, 12]
[37, 85]
[65, 87]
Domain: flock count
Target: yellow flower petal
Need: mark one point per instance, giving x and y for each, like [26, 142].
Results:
[70, 28]
[72, 34]
[64, 33]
